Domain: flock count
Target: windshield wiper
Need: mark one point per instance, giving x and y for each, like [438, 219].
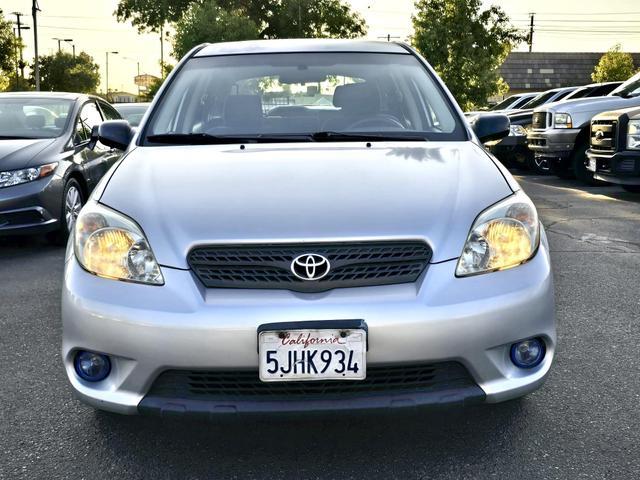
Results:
[330, 136]
[208, 139]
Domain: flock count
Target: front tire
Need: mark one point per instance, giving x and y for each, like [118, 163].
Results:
[632, 188]
[72, 202]
[560, 169]
[579, 167]
[539, 165]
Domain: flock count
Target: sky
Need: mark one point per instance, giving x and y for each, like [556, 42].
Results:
[570, 25]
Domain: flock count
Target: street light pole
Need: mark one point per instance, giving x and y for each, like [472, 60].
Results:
[66, 40]
[107, 77]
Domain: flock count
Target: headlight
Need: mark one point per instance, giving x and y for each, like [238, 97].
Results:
[633, 135]
[562, 120]
[503, 236]
[517, 131]
[111, 245]
[16, 177]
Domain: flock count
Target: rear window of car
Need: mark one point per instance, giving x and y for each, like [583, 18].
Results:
[306, 93]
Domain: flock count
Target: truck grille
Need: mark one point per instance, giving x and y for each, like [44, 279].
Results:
[603, 135]
[539, 120]
[239, 384]
[269, 266]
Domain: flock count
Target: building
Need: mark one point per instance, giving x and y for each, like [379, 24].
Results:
[536, 71]
[122, 97]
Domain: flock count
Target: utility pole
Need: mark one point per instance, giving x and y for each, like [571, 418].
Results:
[20, 28]
[15, 53]
[532, 15]
[36, 63]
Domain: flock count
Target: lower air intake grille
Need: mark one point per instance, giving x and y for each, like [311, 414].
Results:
[238, 385]
[270, 266]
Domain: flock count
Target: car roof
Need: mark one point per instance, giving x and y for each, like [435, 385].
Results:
[64, 95]
[300, 45]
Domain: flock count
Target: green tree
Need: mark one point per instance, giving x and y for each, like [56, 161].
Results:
[273, 18]
[209, 22]
[465, 45]
[9, 45]
[614, 66]
[64, 73]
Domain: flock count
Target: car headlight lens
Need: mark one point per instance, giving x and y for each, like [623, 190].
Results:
[562, 120]
[517, 131]
[503, 236]
[110, 245]
[633, 135]
[16, 177]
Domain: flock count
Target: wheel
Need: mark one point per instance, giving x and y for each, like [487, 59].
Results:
[539, 165]
[631, 188]
[579, 167]
[560, 169]
[72, 202]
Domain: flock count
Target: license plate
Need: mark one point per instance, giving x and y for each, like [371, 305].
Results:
[591, 166]
[306, 354]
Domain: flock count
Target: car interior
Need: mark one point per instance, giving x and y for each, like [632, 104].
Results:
[303, 99]
[21, 120]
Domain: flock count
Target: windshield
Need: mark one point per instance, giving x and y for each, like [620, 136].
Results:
[301, 94]
[540, 99]
[132, 113]
[630, 88]
[33, 117]
[507, 102]
[579, 93]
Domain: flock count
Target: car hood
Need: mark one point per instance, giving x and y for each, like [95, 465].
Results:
[593, 104]
[183, 196]
[16, 154]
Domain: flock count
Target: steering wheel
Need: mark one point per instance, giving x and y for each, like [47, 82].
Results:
[379, 121]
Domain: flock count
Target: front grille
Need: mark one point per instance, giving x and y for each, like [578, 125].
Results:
[628, 165]
[539, 120]
[238, 385]
[603, 135]
[269, 266]
[20, 217]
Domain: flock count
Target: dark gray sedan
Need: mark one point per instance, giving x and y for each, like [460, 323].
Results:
[46, 170]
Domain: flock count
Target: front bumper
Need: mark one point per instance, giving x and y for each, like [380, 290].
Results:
[553, 142]
[149, 330]
[30, 208]
[619, 167]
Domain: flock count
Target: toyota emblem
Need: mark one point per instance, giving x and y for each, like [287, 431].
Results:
[310, 266]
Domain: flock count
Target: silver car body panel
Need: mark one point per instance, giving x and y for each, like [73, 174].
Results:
[147, 329]
[188, 195]
[305, 192]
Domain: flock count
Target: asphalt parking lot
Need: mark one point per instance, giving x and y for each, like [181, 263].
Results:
[584, 423]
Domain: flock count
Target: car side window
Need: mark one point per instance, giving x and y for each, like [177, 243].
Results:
[109, 112]
[88, 117]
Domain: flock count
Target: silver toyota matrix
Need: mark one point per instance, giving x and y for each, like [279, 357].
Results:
[305, 225]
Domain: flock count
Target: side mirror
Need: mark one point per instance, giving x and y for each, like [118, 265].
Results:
[112, 133]
[490, 126]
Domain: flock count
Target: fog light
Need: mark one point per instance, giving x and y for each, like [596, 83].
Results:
[91, 366]
[528, 353]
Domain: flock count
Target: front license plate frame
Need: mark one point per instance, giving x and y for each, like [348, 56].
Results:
[286, 351]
